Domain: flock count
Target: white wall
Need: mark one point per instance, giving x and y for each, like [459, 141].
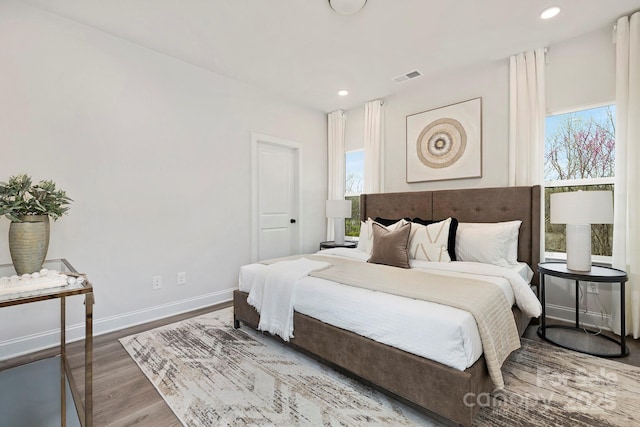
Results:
[156, 155]
[489, 81]
[354, 130]
[580, 73]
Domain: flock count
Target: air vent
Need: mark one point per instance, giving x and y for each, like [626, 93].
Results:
[405, 77]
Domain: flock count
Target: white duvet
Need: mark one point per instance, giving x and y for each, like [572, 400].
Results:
[444, 334]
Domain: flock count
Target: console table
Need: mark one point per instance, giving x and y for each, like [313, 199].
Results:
[84, 408]
[597, 274]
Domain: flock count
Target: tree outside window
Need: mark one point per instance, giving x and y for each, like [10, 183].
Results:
[579, 155]
[354, 184]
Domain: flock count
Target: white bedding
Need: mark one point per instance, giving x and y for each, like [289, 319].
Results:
[434, 331]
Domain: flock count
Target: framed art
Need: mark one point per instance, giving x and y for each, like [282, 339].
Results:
[445, 143]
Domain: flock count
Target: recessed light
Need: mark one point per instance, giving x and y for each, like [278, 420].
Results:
[343, 92]
[549, 12]
[347, 7]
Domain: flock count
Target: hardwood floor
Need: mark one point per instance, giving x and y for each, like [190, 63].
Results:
[122, 394]
[601, 346]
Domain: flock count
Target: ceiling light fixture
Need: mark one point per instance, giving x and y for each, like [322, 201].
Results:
[549, 12]
[347, 7]
[343, 92]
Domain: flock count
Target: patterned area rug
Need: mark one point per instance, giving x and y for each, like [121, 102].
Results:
[213, 375]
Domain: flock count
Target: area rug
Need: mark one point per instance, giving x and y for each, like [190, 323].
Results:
[213, 375]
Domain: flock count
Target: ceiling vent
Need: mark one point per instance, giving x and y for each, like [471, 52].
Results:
[406, 77]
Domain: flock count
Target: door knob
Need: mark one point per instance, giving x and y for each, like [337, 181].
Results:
[292, 221]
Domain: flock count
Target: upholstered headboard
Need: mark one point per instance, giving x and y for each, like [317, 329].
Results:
[467, 205]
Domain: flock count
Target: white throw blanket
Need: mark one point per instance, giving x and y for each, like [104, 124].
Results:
[272, 294]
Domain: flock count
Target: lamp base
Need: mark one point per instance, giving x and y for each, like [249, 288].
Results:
[338, 231]
[579, 247]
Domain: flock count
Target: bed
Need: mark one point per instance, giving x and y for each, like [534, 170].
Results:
[426, 383]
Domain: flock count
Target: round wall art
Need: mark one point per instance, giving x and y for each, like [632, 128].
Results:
[445, 142]
[441, 143]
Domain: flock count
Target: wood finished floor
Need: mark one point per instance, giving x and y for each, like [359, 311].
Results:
[124, 397]
[122, 394]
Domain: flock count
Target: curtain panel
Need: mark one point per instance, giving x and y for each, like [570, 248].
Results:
[626, 225]
[526, 123]
[526, 117]
[336, 121]
[373, 146]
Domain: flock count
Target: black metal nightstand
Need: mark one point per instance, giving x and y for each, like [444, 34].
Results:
[331, 244]
[597, 274]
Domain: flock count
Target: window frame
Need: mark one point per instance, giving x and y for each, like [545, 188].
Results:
[346, 194]
[562, 256]
[351, 194]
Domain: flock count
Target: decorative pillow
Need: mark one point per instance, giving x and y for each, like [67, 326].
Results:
[390, 247]
[491, 243]
[453, 228]
[429, 242]
[387, 222]
[365, 241]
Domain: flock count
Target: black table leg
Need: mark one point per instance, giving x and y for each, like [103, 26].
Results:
[623, 325]
[577, 304]
[542, 297]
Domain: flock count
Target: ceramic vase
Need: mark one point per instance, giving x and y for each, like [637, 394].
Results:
[29, 242]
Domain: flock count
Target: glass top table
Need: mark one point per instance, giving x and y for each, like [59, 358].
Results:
[15, 296]
[11, 295]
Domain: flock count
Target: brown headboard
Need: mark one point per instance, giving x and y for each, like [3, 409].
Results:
[467, 205]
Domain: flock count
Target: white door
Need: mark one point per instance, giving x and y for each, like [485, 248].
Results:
[277, 200]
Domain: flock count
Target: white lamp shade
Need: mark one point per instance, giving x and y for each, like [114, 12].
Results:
[582, 207]
[347, 7]
[338, 209]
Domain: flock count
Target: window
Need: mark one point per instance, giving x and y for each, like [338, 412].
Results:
[579, 155]
[354, 181]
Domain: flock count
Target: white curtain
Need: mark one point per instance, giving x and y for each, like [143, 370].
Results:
[626, 226]
[335, 163]
[526, 123]
[373, 146]
[526, 117]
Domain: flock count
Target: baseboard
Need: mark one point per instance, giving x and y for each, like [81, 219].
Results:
[51, 338]
[591, 319]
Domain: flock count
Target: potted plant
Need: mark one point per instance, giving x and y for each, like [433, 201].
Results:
[29, 207]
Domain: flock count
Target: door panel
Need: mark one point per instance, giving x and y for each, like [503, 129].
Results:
[277, 203]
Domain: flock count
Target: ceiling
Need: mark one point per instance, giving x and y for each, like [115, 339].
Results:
[303, 51]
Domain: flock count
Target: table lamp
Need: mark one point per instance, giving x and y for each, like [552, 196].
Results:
[338, 210]
[578, 210]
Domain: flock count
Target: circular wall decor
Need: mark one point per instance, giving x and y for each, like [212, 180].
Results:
[441, 143]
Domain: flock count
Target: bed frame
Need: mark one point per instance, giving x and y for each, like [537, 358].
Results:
[422, 382]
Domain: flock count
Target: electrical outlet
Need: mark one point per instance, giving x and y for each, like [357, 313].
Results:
[182, 278]
[592, 288]
[156, 282]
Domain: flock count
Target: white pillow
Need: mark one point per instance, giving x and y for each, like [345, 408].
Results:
[365, 241]
[429, 242]
[492, 243]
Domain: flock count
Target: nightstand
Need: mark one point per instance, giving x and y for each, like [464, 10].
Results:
[347, 244]
[575, 337]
